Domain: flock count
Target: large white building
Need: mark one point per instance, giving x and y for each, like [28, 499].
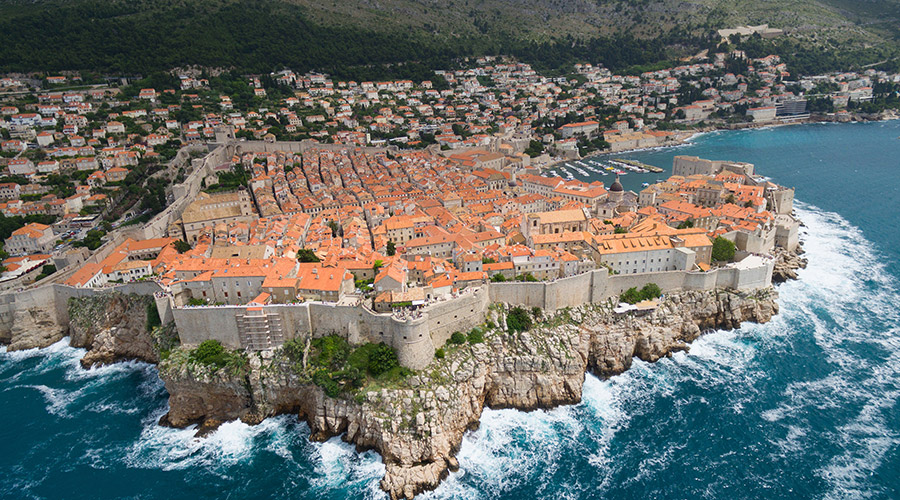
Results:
[29, 239]
[650, 252]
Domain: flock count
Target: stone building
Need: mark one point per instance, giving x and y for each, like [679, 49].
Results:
[210, 209]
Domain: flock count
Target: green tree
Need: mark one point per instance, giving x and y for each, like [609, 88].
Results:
[723, 250]
[391, 248]
[307, 255]
[534, 149]
[182, 246]
[335, 228]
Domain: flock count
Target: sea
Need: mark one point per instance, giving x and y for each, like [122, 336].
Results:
[804, 407]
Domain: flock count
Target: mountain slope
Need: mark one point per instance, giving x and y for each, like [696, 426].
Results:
[145, 35]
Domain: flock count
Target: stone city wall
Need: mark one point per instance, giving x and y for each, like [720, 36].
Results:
[53, 301]
[241, 147]
[186, 191]
[597, 286]
[414, 337]
[410, 337]
[459, 314]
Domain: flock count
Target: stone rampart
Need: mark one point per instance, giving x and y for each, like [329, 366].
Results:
[186, 191]
[458, 314]
[299, 147]
[414, 336]
[409, 337]
[597, 286]
[52, 300]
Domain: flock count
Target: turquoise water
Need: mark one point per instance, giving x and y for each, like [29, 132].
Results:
[803, 407]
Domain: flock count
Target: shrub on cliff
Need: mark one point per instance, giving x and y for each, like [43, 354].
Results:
[210, 353]
[518, 320]
[331, 352]
[439, 353]
[633, 295]
[323, 379]
[651, 291]
[293, 349]
[630, 296]
[382, 359]
[723, 250]
[475, 336]
[457, 338]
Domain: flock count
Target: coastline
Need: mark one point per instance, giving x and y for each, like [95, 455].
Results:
[416, 424]
[697, 133]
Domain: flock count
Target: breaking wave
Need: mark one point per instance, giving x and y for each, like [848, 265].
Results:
[805, 406]
[738, 416]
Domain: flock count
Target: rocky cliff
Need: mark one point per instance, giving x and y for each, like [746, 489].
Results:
[115, 327]
[417, 424]
[787, 263]
[33, 327]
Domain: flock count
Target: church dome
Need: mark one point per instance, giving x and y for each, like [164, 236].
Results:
[616, 186]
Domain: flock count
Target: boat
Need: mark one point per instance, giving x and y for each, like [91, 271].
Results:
[645, 184]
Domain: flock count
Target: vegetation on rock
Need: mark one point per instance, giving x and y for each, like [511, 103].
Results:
[339, 368]
[518, 320]
[212, 353]
[633, 295]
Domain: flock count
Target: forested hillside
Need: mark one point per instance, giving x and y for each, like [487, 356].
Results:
[405, 38]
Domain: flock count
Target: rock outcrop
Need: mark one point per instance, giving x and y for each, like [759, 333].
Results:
[417, 425]
[113, 327]
[786, 265]
[34, 327]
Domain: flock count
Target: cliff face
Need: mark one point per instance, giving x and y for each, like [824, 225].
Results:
[786, 265]
[113, 327]
[417, 425]
[33, 327]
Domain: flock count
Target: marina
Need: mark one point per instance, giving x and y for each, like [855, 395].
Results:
[593, 166]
